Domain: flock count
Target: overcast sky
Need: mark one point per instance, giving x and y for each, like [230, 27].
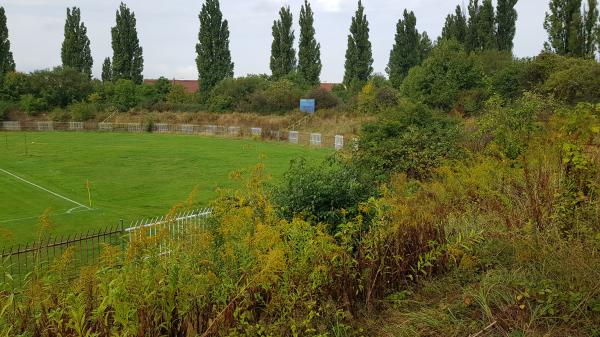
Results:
[168, 31]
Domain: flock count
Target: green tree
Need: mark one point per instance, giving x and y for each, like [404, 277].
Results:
[487, 26]
[481, 28]
[127, 61]
[590, 28]
[425, 46]
[564, 26]
[506, 19]
[472, 37]
[283, 54]
[309, 51]
[359, 55]
[107, 70]
[75, 52]
[214, 57]
[455, 26]
[7, 63]
[406, 52]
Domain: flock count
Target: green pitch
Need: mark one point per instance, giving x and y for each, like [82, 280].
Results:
[131, 176]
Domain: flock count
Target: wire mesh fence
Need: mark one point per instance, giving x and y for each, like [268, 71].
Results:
[19, 262]
[293, 137]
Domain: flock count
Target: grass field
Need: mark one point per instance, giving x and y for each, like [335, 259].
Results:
[132, 176]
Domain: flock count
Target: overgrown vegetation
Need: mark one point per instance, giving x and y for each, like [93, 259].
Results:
[468, 206]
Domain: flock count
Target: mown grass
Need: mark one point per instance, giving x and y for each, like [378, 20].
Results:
[131, 175]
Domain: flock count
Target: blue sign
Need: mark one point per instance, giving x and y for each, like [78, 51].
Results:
[307, 105]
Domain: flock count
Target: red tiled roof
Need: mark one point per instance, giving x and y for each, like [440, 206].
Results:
[190, 86]
[328, 86]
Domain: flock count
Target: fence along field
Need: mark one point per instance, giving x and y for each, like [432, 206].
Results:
[131, 175]
[85, 249]
[293, 137]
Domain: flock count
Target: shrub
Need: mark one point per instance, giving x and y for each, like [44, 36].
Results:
[14, 86]
[442, 77]
[510, 126]
[147, 96]
[410, 139]
[123, 95]
[162, 87]
[280, 96]
[82, 112]
[233, 94]
[60, 86]
[329, 192]
[33, 105]
[178, 95]
[6, 108]
[323, 98]
[577, 83]
[376, 96]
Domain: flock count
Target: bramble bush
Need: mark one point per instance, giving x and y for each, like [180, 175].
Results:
[410, 139]
[327, 193]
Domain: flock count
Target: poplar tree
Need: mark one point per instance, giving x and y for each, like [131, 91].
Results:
[455, 26]
[127, 60]
[425, 46]
[472, 38]
[590, 28]
[7, 63]
[283, 54]
[106, 70]
[486, 22]
[406, 52]
[359, 55]
[564, 26]
[309, 51]
[506, 19]
[75, 51]
[213, 55]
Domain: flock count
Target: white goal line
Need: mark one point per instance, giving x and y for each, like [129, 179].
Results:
[44, 189]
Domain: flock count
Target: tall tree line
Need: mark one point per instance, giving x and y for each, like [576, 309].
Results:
[572, 27]
[75, 51]
[484, 28]
[214, 57]
[7, 62]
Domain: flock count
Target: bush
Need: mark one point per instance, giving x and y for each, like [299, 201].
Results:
[178, 95]
[233, 94]
[328, 193]
[442, 77]
[280, 96]
[323, 98]
[33, 105]
[510, 126]
[124, 95]
[410, 139]
[14, 86]
[376, 96]
[82, 112]
[577, 83]
[60, 87]
[147, 96]
[6, 108]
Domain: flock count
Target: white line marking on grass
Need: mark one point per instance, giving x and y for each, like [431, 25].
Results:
[44, 189]
[37, 217]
